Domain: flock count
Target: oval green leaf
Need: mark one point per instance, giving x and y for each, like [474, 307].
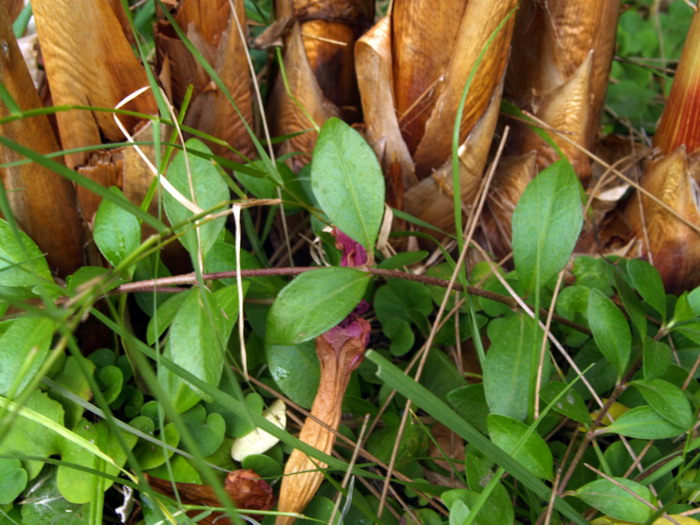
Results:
[612, 500]
[13, 480]
[610, 329]
[522, 444]
[647, 281]
[667, 400]
[117, 232]
[208, 190]
[644, 423]
[21, 261]
[348, 183]
[289, 363]
[546, 223]
[511, 364]
[23, 349]
[314, 302]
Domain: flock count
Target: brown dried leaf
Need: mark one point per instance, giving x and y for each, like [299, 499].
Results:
[43, 203]
[423, 43]
[244, 487]
[481, 18]
[100, 70]
[309, 106]
[432, 198]
[104, 167]
[673, 247]
[374, 76]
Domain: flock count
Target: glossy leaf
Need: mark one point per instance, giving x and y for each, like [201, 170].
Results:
[117, 232]
[347, 181]
[531, 450]
[314, 302]
[614, 501]
[197, 342]
[667, 400]
[78, 486]
[570, 404]
[511, 365]
[24, 346]
[610, 330]
[644, 422]
[647, 281]
[207, 190]
[13, 480]
[546, 223]
[657, 358]
[206, 429]
[288, 363]
[21, 261]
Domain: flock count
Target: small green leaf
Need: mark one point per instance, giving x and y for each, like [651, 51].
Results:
[150, 455]
[197, 341]
[27, 437]
[78, 486]
[570, 404]
[314, 302]
[207, 430]
[24, 346]
[694, 300]
[112, 380]
[469, 402]
[117, 232]
[13, 480]
[610, 330]
[631, 303]
[165, 313]
[614, 501]
[546, 224]
[647, 281]
[207, 190]
[347, 181]
[72, 379]
[531, 450]
[289, 363]
[459, 512]
[403, 259]
[21, 261]
[644, 422]
[511, 365]
[657, 358]
[667, 400]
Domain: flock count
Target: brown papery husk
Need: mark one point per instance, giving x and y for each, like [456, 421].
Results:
[553, 39]
[432, 198]
[423, 38]
[680, 121]
[673, 246]
[567, 109]
[100, 70]
[43, 203]
[212, 112]
[481, 18]
[373, 62]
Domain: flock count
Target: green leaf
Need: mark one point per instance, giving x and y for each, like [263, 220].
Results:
[395, 378]
[13, 480]
[314, 302]
[71, 378]
[667, 400]
[197, 342]
[208, 191]
[657, 358]
[470, 404]
[631, 303]
[403, 259]
[610, 330]
[21, 261]
[27, 437]
[647, 281]
[614, 501]
[78, 486]
[288, 364]
[512, 436]
[644, 422]
[347, 181]
[694, 300]
[546, 224]
[511, 364]
[117, 232]
[570, 404]
[165, 313]
[25, 345]
[404, 300]
[459, 512]
[207, 430]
